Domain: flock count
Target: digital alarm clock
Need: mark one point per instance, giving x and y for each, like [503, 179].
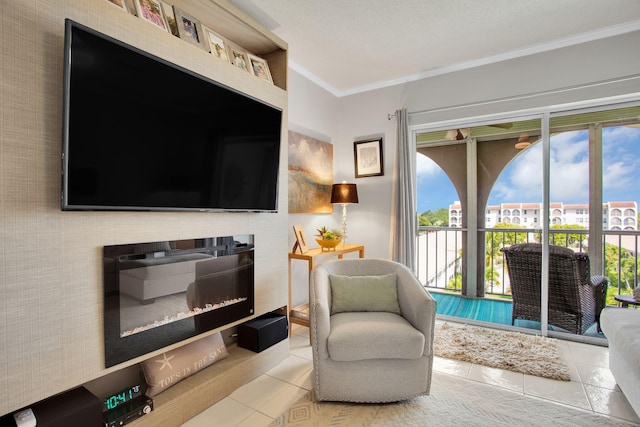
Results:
[124, 396]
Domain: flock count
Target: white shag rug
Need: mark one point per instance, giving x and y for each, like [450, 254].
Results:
[513, 351]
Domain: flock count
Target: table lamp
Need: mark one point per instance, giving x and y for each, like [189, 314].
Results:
[344, 193]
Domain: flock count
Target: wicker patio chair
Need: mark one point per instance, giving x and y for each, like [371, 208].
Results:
[575, 299]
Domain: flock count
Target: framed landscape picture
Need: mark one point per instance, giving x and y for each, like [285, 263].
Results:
[310, 174]
[368, 158]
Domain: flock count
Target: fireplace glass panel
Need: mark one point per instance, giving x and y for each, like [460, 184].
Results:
[160, 293]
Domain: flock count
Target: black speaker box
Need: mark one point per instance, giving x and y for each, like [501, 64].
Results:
[263, 332]
[76, 407]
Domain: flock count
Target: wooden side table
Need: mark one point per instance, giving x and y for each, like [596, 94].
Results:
[625, 300]
[300, 314]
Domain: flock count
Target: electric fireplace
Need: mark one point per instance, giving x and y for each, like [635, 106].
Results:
[160, 293]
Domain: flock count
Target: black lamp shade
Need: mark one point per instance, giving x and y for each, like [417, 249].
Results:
[344, 193]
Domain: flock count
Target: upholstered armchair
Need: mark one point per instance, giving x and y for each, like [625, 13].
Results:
[372, 326]
[575, 298]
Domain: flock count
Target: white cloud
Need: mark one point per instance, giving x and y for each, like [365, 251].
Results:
[522, 179]
[617, 176]
[570, 147]
[425, 167]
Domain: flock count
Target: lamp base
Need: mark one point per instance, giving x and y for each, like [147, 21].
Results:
[344, 223]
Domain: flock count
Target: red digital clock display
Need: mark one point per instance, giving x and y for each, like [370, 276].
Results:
[124, 396]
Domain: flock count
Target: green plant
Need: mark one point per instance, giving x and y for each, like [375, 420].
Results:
[567, 239]
[326, 234]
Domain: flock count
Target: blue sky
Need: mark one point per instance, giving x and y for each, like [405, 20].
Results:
[521, 181]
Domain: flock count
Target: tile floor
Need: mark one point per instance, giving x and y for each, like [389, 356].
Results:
[592, 387]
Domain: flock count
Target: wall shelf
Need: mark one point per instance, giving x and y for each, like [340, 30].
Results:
[189, 397]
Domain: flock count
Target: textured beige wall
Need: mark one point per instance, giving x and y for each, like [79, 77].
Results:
[51, 335]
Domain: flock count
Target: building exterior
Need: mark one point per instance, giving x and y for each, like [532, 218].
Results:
[615, 215]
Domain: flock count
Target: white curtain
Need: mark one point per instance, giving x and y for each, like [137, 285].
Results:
[404, 229]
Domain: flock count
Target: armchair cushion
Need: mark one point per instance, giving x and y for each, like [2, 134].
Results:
[364, 293]
[373, 335]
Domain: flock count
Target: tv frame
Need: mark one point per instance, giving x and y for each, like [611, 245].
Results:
[66, 205]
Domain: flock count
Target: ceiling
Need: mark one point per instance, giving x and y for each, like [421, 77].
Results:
[350, 46]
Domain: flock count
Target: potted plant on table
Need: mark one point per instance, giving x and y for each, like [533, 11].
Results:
[328, 239]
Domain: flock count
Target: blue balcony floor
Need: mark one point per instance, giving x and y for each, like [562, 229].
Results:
[488, 310]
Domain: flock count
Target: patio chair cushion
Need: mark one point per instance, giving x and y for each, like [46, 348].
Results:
[364, 293]
[373, 335]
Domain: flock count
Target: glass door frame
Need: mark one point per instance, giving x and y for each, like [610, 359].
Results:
[595, 187]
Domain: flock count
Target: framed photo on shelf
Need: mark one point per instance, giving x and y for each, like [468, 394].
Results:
[260, 68]
[122, 4]
[170, 17]
[217, 45]
[151, 11]
[238, 57]
[190, 29]
[368, 158]
[300, 241]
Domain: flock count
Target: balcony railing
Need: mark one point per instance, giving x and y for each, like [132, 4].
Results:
[439, 255]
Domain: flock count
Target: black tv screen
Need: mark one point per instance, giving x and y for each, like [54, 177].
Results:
[140, 133]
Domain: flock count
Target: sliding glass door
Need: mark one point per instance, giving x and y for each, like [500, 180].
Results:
[595, 168]
[564, 182]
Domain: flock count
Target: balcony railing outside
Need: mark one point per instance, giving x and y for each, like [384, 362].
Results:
[439, 254]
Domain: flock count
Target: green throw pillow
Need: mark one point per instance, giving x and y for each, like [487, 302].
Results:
[364, 293]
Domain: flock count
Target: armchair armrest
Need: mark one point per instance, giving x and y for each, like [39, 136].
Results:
[320, 310]
[598, 281]
[599, 284]
[417, 306]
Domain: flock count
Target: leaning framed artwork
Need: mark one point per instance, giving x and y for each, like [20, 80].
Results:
[301, 243]
[216, 44]
[238, 57]
[151, 11]
[260, 68]
[190, 29]
[368, 158]
[170, 17]
[121, 4]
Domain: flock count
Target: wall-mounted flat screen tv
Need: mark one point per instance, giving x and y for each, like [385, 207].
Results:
[141, 133]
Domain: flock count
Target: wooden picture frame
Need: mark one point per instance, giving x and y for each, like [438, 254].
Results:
[238, 57]
[217, 44]
[300, 240]
[121, 4]
[190, 29]
[260, 68]
[151, 11]
[368, 158]
[170, 17]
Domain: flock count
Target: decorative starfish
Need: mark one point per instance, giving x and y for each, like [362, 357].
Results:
[165, 361]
